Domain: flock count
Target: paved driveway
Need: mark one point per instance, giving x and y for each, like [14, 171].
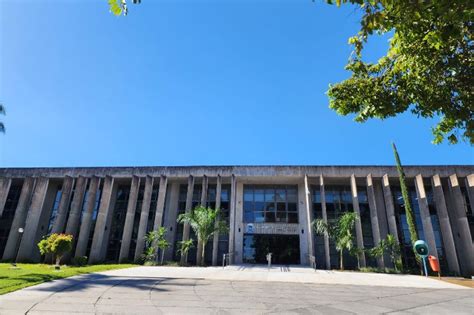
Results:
[157, 290]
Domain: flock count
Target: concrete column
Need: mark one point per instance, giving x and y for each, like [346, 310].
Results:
[85, 226]
[144, 217]
[309, 217]
[76, 207]
[381, 212]
[215, 240]
[44, 220]
[445, 225]
[188, 208]
[4, 189]
[171, 212]
[464, 245]
[358, 225]
[327, 253]
[425, 215]
[75, 212]
[382, 217]
[205, 184]
[469, 189]
[160, 204]
[305, 219]
[239, 219]
[129, 219]
[203, 204]
[19, 219]
[389, 207]
[66, 191]
[101, 221]
[374, 217]
[27, 245]
[233, 189]
[108, 223]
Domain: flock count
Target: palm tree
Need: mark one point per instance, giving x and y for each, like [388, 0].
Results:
[205, 223]
[151, 241]
[184, 247]
[388, 245]
[341, 231]
[2, 112]
[161, 243]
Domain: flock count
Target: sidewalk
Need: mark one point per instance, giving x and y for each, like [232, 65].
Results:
[295, 274]
[237, 289]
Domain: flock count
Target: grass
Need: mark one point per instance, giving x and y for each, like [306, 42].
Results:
[30, 274]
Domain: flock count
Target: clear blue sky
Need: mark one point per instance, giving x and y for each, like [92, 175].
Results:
[190, 83]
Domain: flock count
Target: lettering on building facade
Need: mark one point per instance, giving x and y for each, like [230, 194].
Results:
[272, 228]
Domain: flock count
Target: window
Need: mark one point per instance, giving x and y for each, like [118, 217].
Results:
[271, 204]
[223, 244]
[118, 221]
[54, 210]
[338, 200]
[8, 214]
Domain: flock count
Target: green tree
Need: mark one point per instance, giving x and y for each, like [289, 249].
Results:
[2, 112]
[341, 231]
[155, 240]
[44, 247]
[357, 252]
[427, 70]
[184, 247]
[406, 198]
[59, 245]
[119, 7]
[388, 245]
[162, 243]
[205, 222]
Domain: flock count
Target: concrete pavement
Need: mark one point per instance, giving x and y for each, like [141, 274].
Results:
[239, 289]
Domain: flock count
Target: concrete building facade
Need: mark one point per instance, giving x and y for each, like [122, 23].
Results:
[109, 210]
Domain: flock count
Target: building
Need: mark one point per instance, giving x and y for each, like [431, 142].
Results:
[108, 210]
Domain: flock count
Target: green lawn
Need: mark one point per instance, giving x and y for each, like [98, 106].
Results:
[31, 274]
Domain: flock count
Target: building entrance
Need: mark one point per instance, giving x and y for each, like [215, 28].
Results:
[285, 249]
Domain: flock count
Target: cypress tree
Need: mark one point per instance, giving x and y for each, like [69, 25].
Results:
[406, 199]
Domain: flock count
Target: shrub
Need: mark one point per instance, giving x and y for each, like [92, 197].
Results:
[56, 244]
[140, 260]
[61, 245]
[379, 270]
[79, 261]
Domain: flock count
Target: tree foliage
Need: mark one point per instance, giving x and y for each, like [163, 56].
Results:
[44, 247]
[155, 240]
[388, 245]
[205, 222]
[406, 198]
[428, 68]
[119, 7]
[56, 244]
[341, 231]
[2, 112]
[184, 247]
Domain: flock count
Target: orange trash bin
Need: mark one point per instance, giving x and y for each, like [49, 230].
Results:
[434, 263]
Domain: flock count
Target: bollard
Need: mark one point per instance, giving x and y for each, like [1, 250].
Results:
[269, 260]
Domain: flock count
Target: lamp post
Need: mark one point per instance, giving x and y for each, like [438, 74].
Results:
[20, 231]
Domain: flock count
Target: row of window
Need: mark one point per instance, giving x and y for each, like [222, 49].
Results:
[270, 204]
[223, 244]
[119, 215]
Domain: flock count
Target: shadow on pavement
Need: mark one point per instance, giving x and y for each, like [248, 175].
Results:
[103, 282]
